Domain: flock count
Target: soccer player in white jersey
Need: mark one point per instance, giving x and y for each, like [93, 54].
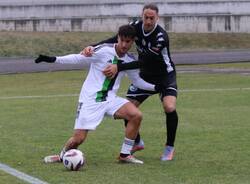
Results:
[98, 95]
[157, 67]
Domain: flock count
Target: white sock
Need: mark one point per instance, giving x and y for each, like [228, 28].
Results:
[127, 146]
[62, 153]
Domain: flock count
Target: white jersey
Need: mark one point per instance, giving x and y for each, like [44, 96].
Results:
[97, 87]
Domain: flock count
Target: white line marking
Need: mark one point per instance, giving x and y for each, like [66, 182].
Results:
[74, 95]
[20, 175]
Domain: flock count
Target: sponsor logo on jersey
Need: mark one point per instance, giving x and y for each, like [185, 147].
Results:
[133, 88]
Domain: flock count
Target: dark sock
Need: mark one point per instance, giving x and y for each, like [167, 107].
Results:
[171, 123]
[43, 58]
[123, 155]
[138, 137]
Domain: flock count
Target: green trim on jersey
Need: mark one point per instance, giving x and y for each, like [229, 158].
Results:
[107, 85]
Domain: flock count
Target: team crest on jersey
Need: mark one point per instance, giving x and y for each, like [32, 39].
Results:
[149, 44]
[133, 88]
[143, 42]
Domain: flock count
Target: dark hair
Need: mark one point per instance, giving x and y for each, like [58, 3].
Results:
[151, 6]
[127, 31]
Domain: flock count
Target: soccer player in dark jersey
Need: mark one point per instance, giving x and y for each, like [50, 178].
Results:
[156, 67]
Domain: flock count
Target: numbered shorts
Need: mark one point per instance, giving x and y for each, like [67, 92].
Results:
[90, 115]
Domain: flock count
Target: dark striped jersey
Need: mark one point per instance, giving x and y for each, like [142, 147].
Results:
[153, 51]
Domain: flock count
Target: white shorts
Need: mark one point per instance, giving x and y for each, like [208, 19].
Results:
[90, 115]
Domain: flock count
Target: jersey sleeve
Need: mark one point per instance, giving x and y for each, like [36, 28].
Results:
[75, 59]
[137, 81]
[129, 66]
[162, 41]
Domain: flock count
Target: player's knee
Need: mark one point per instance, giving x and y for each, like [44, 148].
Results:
[169, 104]
[169, 108]
[137, 117]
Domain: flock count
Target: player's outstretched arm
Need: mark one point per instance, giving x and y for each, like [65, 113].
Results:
[67, 59]
[44, 58]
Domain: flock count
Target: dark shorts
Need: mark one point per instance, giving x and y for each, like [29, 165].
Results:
[140, 95]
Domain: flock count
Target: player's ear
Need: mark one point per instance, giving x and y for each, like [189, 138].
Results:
[118, 38]
[158, 17]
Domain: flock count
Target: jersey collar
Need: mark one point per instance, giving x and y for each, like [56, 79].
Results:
[147, 34]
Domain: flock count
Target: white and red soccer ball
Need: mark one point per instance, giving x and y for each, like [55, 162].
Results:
[73, 160]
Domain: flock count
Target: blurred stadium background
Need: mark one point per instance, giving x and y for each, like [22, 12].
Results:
[203, 16]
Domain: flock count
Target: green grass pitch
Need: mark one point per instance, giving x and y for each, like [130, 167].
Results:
[212, 144]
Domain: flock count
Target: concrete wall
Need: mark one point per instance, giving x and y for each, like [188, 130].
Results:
[107, 15]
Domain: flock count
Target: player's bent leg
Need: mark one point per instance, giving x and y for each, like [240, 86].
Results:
[78, 137]
[139, 143]
[134, 116]
[137, 96]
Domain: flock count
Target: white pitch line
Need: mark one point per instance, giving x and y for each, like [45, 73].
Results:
[21, 175]
[74, 95]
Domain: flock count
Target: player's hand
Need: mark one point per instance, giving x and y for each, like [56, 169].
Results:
[110, 71]
[38, 60]
[44, 58]
[87, 51]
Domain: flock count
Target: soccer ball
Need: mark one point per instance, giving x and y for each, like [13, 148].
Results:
[73, 159]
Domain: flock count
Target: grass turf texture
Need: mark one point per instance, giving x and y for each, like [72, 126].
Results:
[30, 44]
[212, 144]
